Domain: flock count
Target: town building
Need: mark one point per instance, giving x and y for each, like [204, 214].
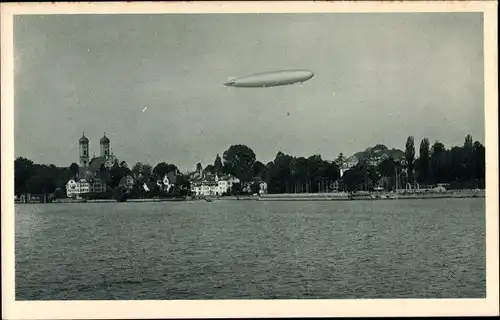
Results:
[168, 181]
[75, 188]
[351, 162]
[213, 184]
[376, 159]
[87, 179]
[106, 160]
[127, 182]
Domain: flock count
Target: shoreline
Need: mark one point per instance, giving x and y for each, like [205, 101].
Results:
[451, 194]
[339, 196]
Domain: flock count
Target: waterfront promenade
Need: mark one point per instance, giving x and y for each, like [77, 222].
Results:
[373, 195]
[332, 196]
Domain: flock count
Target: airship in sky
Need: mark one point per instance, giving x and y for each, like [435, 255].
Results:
[271, 79]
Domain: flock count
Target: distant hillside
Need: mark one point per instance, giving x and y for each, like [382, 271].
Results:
[378, 150]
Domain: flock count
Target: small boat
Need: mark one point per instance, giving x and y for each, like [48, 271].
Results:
[208, 200]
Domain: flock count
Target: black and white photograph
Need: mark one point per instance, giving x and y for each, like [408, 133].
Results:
[195, 154]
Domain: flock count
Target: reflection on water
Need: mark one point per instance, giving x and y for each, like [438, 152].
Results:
[251, 250]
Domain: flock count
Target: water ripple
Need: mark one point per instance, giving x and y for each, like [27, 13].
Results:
[251, 250]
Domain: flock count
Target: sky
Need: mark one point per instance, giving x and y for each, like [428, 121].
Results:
[153, 84]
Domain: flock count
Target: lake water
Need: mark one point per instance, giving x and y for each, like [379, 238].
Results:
[251, 250]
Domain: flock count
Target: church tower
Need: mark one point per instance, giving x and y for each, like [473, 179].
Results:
[84, 151]
[105, 151]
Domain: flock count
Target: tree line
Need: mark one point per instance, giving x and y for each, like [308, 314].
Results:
[33, 178]
[460, 166]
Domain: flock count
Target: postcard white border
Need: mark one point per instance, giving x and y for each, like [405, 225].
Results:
[249, 308]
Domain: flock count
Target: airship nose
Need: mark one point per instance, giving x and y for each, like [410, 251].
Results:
[229, 83]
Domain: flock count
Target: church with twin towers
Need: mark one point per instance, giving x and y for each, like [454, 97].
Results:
[94, 164]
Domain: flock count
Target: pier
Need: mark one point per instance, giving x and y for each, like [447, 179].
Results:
[344, 196]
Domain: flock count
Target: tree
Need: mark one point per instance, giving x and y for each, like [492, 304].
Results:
[270, 168]
[43, 180]
[35, 185]
[287, 174]
[340, 159]
[162, 168]
[360, 177]
[115, 175]
[423, 162]
[23, 169]
[457, 169]
[280, 173]
[239, 160]
[184, 184]
[387, 167]
[125, 167]
[74, 169]
[410, 156]
[137, 171]
[479, 161]
[120, 194]
[259, 169]
[468, 158]
[438, 162]
[218, 165]
[139, 178]
[468, 145]
[333, 172]
[236, 189]
[35, 178]
[147, 172]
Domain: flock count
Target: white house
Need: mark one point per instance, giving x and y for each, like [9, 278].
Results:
[169, 180]
[76, 187]
[352, 161]
[213, 185]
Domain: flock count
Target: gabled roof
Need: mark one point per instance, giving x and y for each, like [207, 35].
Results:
[86, 180]
[227, 177]
[85, 173]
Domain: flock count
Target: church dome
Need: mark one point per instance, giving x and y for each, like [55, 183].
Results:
[83, 139]
[104, 139]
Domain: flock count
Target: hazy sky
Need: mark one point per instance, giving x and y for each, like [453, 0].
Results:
[378, 79]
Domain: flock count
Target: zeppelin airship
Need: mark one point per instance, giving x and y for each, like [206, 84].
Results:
[271, 79]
